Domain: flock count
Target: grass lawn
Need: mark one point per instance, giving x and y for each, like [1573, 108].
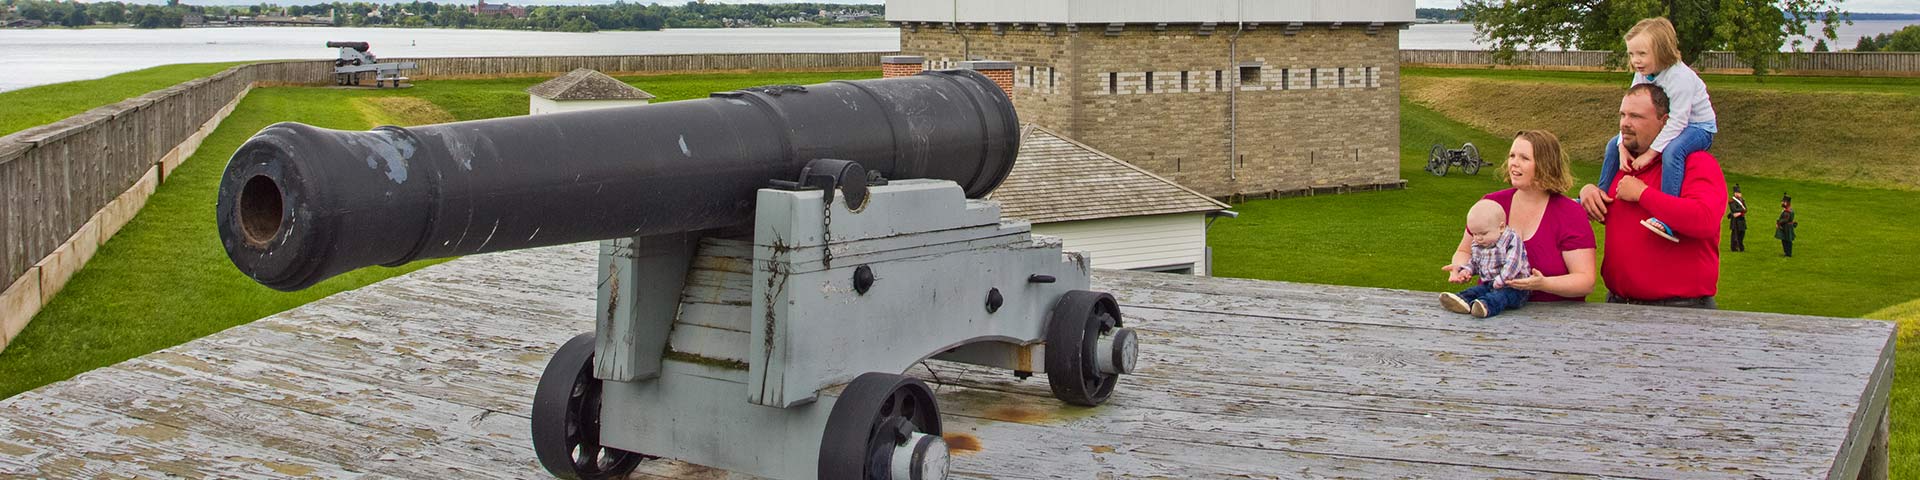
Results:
[164, 279]
[34, 106]
[1407, 235]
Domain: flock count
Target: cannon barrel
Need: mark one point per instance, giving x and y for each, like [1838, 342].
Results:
[299, 204]
[361, 46]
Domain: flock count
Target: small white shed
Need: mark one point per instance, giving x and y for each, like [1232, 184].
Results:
[1122, 215]
[583, 89]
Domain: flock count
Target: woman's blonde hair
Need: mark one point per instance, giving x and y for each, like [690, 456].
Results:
[1550, 170]
[1660, 34]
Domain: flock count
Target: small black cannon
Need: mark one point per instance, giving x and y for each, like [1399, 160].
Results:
[1441, 159]
[773, 260]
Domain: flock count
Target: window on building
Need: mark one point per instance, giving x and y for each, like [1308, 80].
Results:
[1031, 72]
[1313, 78]
[1219, 80]
[1049, 78]
[1371, 81]
[1249, 74]
[1343, 78]
[1113, 83]
[1183, 80]
[1286, 79]
[1149, 82]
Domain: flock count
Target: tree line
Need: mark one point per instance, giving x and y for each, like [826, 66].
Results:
[573, 18]
[1902, 40]
[1754, 30]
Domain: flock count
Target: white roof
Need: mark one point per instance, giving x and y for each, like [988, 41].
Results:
[1150, 11]
[1056, 179]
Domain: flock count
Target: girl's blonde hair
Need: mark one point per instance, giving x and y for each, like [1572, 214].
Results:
[1550, 170]
[1664, 40]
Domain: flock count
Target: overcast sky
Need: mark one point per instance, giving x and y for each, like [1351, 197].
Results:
[1868, 6]
[1874, 6]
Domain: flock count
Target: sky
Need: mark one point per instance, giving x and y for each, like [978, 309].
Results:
[1873, 6]
[1867, 6]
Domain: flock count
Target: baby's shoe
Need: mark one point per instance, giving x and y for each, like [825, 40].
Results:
[1480, 309]
[1660, 228]
[1453, 303]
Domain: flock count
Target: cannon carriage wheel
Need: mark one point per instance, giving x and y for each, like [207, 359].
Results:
[1086, 348]
[566, 418]
[884, 427]
[1473, 162]
[1437, 161]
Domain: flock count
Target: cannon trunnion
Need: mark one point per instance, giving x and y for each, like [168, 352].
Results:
[771, 261]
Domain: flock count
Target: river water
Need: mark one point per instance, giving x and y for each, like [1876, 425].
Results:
[43, 56]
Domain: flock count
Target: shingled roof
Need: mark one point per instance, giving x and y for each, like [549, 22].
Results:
[587, 84]
[1056, 179]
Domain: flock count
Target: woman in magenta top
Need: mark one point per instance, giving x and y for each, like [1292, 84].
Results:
[1554, 228]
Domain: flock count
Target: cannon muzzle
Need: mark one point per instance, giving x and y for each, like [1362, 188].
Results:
[361, 46]
[299, 204]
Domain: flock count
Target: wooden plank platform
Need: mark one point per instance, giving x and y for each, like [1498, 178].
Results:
[430, 375]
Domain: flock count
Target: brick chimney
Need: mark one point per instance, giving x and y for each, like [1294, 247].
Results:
[901, 65]
[1001, 72]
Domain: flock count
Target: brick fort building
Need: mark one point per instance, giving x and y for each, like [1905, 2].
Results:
[1227, 97]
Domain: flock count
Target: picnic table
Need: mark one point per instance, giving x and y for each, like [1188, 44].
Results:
[430, 375]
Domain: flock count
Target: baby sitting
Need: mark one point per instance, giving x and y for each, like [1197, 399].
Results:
[1498, 255]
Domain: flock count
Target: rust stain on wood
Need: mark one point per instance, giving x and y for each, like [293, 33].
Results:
[962, 443]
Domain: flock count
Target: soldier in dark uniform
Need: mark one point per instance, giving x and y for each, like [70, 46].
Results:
[1737, 220]
[1783, 229]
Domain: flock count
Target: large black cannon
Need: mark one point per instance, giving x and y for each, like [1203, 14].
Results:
[788, 368]
[299, 204]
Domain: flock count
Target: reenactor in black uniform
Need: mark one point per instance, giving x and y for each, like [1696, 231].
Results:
[1783, 229]
[1737, 220]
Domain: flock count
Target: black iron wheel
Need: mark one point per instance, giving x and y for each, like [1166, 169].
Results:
[1079, 319]
[870, 420]
[1437, 160]
[566, 418]
[1473, 163]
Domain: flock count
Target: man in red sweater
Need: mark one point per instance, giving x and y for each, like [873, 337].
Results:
[1639, 266]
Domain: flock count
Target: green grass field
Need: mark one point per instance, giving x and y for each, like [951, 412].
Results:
[35, 106]
[1399, 239]
[164, 279]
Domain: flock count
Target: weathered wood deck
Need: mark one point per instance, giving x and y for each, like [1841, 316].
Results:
[431, 375]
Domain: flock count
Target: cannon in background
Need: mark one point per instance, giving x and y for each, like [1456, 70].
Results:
[793, 247]
[355, 60]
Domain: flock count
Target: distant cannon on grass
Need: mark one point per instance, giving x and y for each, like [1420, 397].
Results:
[355, 59]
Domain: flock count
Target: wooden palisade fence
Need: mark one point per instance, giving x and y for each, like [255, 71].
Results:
[67, 186]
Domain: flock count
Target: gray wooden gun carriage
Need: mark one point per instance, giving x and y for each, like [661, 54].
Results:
[774, 258]
[355, 61]
[1441, 158]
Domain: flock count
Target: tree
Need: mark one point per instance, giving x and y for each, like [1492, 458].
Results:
[1865, 44]
[33, 11]
[1902, 40]
[1820, 45]
[78, 18]
[1754, 30]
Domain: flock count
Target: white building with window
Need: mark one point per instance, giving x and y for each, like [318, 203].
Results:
[1121, 215]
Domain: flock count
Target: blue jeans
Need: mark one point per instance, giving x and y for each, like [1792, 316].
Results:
[1497, 299]
[1673, 162]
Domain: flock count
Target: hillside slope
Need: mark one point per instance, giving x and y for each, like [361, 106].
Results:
[1848, 137]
